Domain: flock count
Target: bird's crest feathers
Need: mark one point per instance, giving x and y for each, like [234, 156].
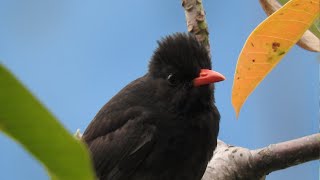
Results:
[182, 52]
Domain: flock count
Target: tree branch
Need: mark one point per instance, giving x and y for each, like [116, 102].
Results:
[237, 163]
[231, 163]
[287, 154]
[196, 21]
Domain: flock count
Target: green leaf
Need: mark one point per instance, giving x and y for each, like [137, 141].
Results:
[314, 28]
[26, 120]
[282, 2]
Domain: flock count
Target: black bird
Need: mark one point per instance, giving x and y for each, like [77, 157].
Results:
[163, 125]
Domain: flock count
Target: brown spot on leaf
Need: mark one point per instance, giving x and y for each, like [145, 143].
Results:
[281, 53]
[252, 44]
[275, 46]
[253, 60]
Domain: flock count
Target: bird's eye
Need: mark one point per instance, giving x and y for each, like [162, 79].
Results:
[172, 79]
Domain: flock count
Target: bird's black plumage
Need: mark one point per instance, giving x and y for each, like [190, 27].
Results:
[159, 127]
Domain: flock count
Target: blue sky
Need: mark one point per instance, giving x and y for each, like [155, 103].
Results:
[75, 55]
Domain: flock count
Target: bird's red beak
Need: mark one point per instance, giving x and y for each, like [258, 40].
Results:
[207, 76]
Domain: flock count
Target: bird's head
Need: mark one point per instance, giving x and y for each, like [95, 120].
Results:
[181, 66]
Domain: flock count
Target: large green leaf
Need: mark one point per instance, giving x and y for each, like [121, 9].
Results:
[25, 119]
[314, 28]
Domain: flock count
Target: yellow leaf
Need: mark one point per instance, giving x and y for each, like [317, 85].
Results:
[267, 45]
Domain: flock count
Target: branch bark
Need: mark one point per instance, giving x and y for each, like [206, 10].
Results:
[196, 21]
[286, 154]
[238, 163]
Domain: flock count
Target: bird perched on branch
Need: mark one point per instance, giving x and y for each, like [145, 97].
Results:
[164, 125]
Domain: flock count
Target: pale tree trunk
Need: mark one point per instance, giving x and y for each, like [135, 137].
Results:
[238, 163]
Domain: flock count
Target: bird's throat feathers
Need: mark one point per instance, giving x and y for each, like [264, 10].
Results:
[197, 99]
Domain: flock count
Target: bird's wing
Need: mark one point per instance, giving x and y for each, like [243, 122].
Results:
[117, 154]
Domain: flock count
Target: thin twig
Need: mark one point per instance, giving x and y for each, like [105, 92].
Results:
[196, 21]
